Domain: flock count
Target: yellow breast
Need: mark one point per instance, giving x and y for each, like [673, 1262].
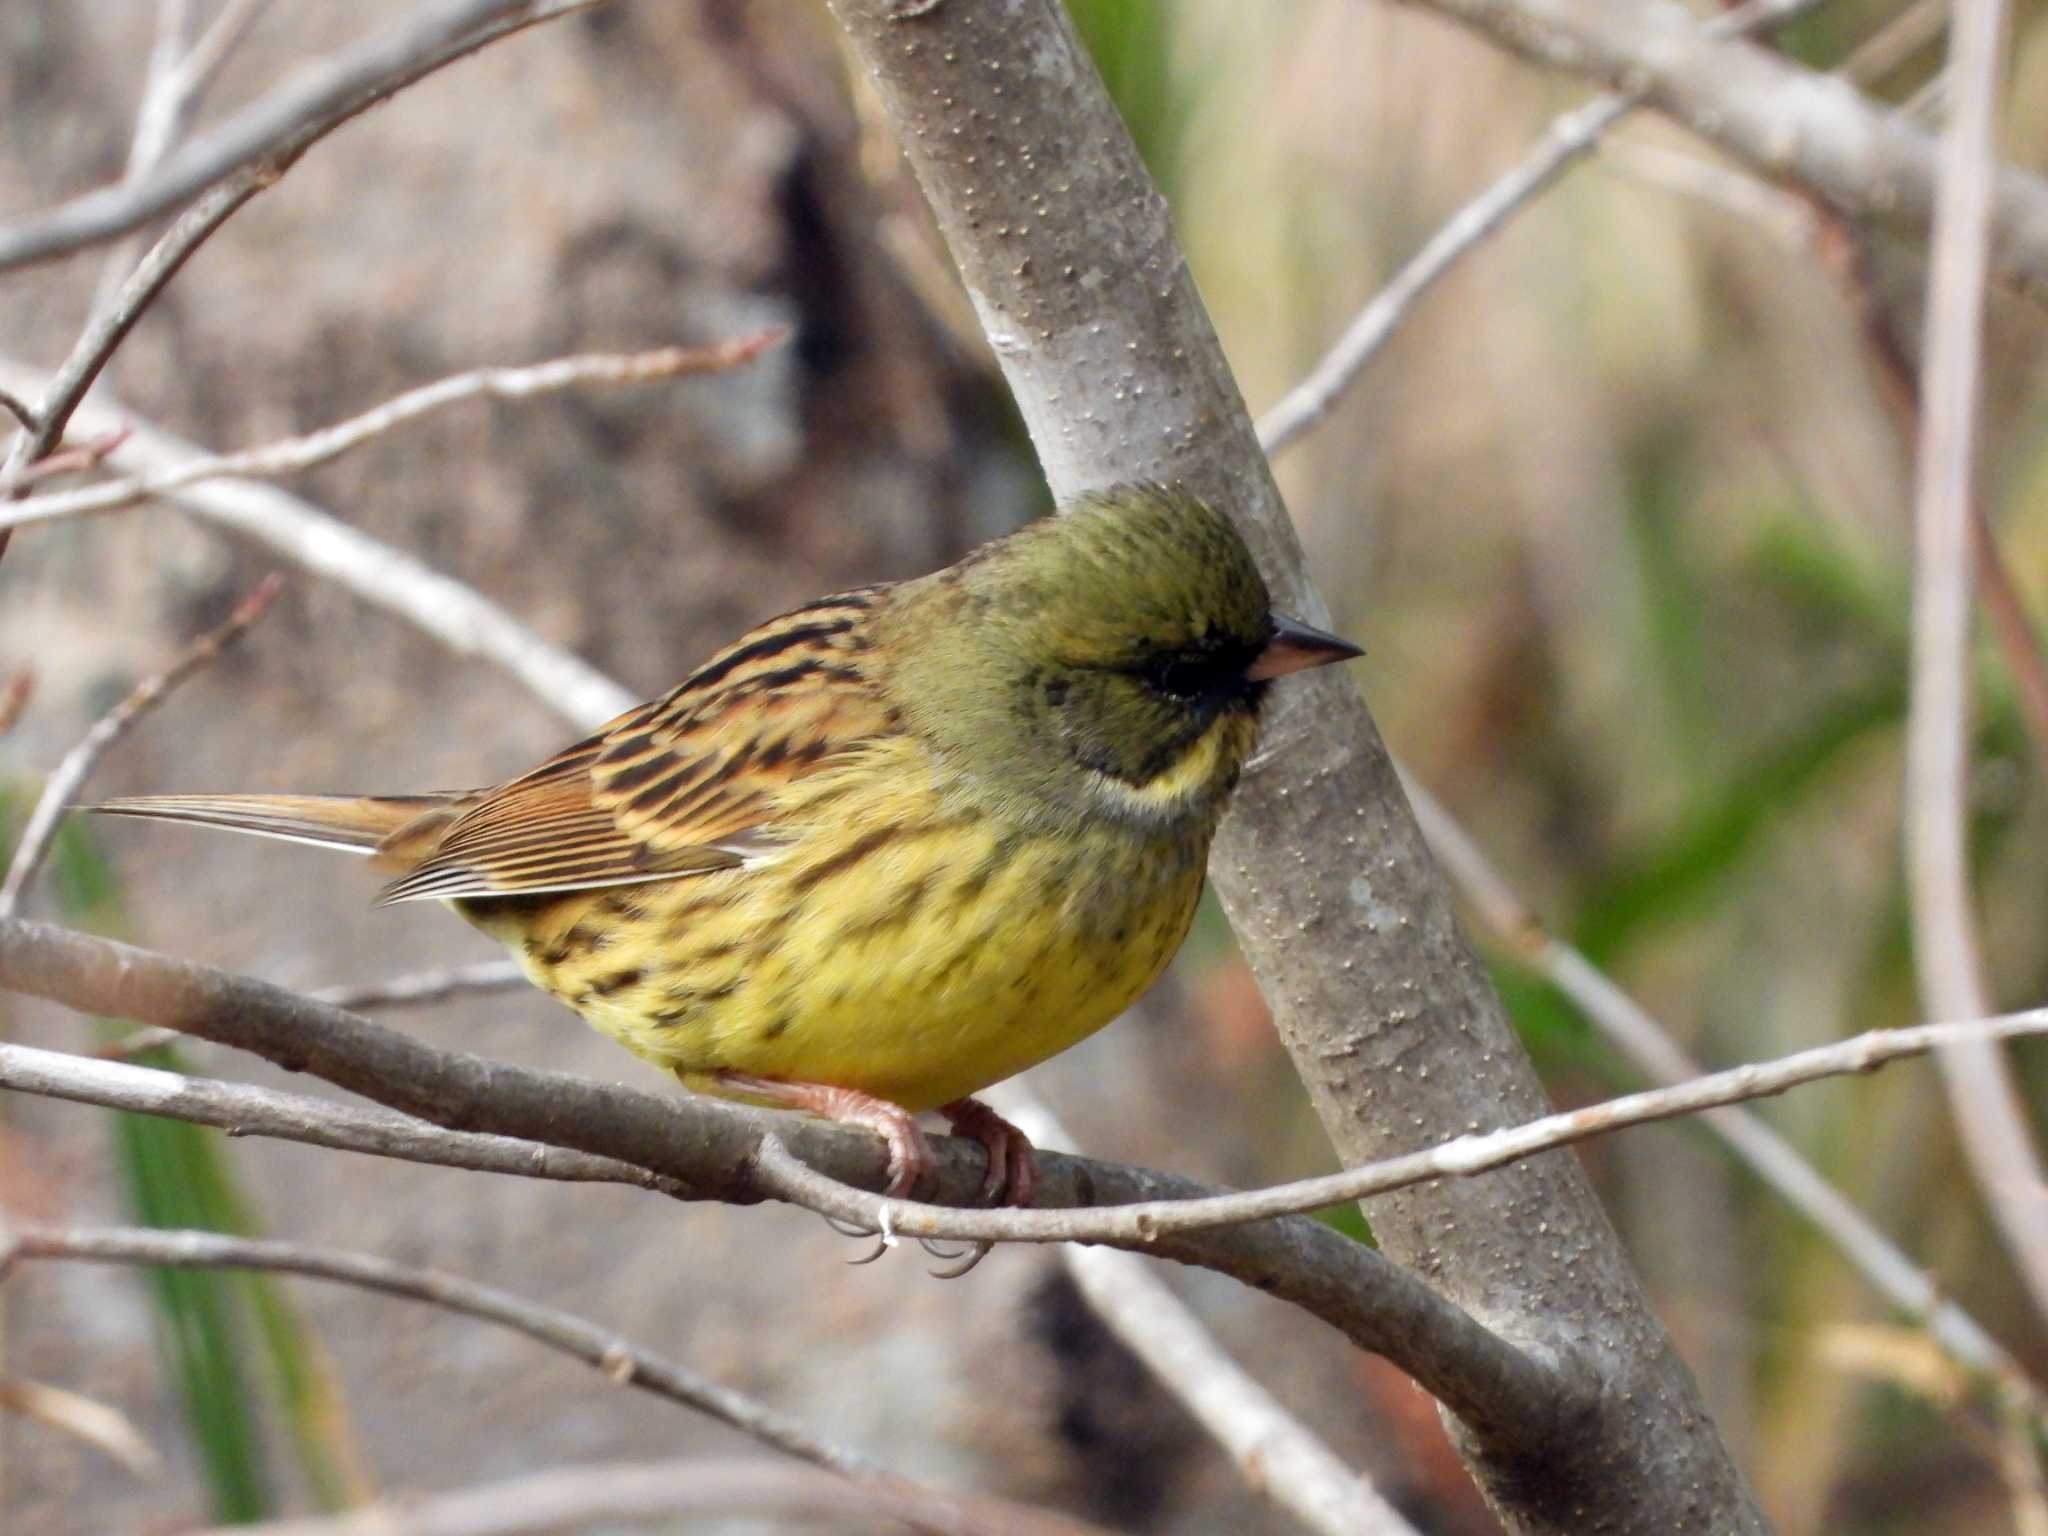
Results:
[907, 944]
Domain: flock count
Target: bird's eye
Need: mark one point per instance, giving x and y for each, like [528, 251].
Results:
[1183, 676]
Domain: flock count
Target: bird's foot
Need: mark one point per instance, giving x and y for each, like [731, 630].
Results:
[1012, 1169]
[1012, 1162]
[910, 1154]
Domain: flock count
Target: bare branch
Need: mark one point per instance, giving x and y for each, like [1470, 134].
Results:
[279, 127]
[293, 454]
[452, 612]
[423, 987]
[618, 1358]
[1629, 1027]
[1279, 1456]
[1568, 139]
[110, 326]
[242, 1109]
[63, 461]
[612, 1492]
[716, 1150]
[1139, 1223]
[79, 762]
[1988, 1112]
[1783, 121]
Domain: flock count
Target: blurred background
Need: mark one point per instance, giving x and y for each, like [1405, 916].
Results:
[1620, 516]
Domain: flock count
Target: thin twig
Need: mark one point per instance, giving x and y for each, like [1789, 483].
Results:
[294, 454]
[1783, 120]
[1786, 217]
[283, 124]
[622, 1361]
[138, 1042]
[610, 1494]
[79, 762]
[1140, 1223]
[1629, 1027]
[107, 329]
[1989, 1115]
[450, 611]
[243, 1109]
[222, 37]
[422, 987]
[1914, 28]
[415, 989]
[64, 461]
[1281, 1458]
[1568, 138]
[105, 1428]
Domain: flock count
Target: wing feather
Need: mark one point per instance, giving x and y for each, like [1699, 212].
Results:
[685, 784]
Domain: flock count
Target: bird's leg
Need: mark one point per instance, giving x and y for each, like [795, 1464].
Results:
[910, 1155]
[1012, 1164]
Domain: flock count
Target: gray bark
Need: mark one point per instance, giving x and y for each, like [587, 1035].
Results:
[1068, 252]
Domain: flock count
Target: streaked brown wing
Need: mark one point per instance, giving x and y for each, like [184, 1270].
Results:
[682, 785]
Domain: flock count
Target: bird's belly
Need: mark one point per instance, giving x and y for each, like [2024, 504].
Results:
[916, 966]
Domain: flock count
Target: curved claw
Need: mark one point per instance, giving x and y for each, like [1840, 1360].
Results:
[881, 1247]
[979, 1252]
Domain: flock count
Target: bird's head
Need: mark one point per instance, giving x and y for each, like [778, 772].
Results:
[1119, 652]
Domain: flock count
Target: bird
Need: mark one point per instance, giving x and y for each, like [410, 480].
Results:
[886, 849]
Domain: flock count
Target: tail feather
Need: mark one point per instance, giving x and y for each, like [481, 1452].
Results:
[352, 823]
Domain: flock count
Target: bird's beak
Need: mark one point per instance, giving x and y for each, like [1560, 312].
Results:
[1295, 647]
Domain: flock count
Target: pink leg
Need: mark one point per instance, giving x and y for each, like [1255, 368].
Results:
[1012, 1164]
[910, 1155]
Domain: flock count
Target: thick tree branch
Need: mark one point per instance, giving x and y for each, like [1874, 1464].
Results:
[1067, 251]
[710, 1149]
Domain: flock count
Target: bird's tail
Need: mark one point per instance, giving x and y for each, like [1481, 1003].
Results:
[352, 823]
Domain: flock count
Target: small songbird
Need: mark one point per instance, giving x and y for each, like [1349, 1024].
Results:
[887, 849]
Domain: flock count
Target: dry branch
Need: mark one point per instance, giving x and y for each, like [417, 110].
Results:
[714, 1150]
[1278, 1456]
[570, 1498]
[294, 454]
[279, 127]
[454, 613]
[1990, 1116]
[79, 762]
[622, 1361]
[1569, 138]
[1630, 1028]
[1783, 121]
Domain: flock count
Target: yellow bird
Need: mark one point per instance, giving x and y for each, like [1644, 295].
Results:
[887, 849]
